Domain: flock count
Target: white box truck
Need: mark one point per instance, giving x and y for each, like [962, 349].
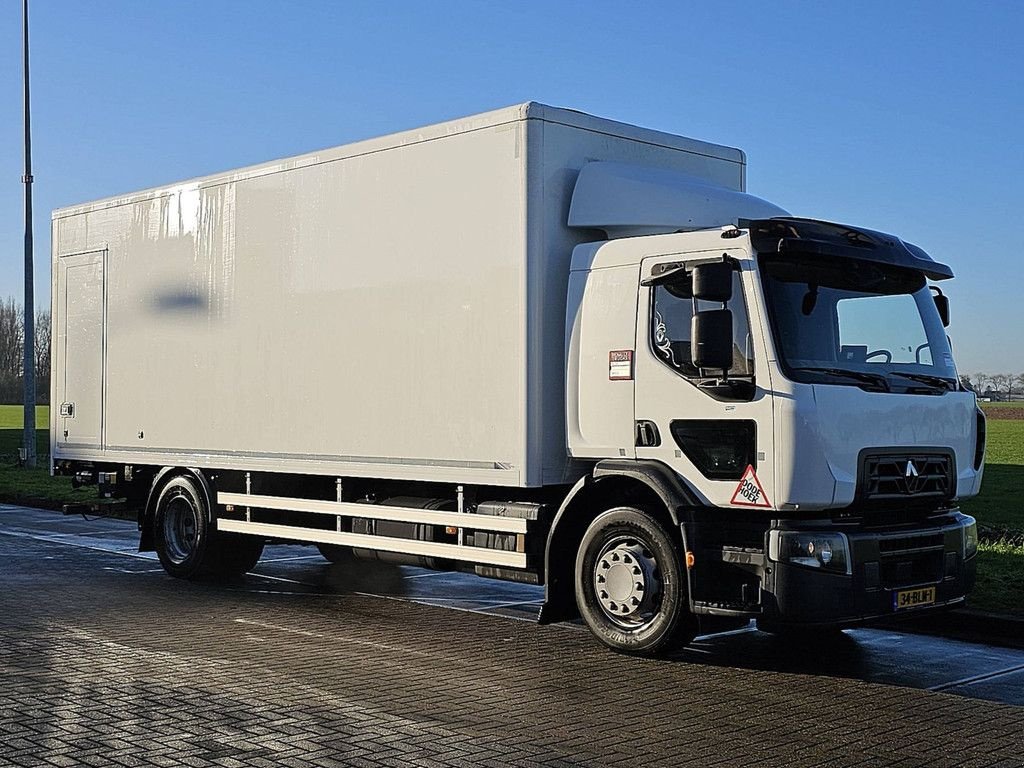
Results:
[534, 344]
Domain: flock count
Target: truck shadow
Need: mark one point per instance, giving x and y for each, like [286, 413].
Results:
[834, 655]
[360, 576]
[886, 656]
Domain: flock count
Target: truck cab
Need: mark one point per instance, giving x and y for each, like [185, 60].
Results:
[794, 378]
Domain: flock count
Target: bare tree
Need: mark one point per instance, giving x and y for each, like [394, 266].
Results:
[42, 352]
[10, 338]
[10, 351]
[1000, 382]
[1019, 378]
[981, 382]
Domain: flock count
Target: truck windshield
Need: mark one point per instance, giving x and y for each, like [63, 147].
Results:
[842, 321]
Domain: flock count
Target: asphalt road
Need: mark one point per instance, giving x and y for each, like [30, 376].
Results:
[104, 660]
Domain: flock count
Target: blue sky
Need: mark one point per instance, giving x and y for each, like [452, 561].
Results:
[904, 117]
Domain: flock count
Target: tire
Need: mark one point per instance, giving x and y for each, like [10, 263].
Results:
[181, 529]
[630, 584]
[186, 541]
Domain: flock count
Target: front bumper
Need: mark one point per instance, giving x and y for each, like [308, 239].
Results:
[882, 563]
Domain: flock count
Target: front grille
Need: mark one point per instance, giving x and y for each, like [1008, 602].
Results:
[912, 559]
[900, 544]
[907, 476]
[911, 569]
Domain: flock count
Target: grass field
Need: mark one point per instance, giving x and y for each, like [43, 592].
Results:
[1000, 513]
[999, 509]
[1001, 502]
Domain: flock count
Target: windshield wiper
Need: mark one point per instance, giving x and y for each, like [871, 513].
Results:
[924, 378]
[871, 378]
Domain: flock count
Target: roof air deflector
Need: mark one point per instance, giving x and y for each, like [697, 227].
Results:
[626, 200]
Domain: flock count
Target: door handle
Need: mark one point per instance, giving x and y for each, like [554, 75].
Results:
[647, 435]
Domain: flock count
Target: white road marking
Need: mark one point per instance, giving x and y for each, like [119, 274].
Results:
[486, 604]
[425, 575]
[536, 601]
[282, 578]
[479, 611]
[336, 638]
[63, 539]
[279, 628]
[983, 678]
[485, 600]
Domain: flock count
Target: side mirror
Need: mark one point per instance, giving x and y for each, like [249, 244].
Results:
[942, 304]
[711, 339]
[713, 282]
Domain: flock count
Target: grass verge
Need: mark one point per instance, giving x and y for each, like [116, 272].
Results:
[1000, 585]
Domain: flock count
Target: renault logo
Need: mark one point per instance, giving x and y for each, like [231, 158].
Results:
[911, 480]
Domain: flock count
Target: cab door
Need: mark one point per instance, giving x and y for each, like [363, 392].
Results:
[715, 428]
[79, 350]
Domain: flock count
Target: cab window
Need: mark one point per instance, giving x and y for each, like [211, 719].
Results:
[673, 308]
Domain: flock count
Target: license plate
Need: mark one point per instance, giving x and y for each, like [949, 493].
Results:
[913, 598]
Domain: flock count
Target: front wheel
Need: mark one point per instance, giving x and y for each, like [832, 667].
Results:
[630, 585]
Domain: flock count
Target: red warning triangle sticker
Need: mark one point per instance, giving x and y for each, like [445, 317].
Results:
[749, 492]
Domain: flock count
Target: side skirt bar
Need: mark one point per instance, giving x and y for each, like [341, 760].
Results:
[383, 543]
[376, 512]
[460, 552]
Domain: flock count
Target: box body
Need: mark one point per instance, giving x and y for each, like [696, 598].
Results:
[393, 308]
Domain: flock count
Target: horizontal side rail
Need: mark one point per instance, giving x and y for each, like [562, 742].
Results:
[376, 512]
[383, 543]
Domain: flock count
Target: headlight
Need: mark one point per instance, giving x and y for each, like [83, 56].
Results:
[970, 539]
[824, 551]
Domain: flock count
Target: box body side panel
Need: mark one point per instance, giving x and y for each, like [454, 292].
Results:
[358, 317]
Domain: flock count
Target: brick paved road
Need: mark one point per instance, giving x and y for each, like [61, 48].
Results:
[104, 661]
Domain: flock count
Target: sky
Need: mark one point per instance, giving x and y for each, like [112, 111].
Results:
[903, 117]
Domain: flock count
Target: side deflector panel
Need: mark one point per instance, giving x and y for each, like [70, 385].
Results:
[79, 350]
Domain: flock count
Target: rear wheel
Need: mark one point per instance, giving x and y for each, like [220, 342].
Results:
[630, 585]
[187, 542]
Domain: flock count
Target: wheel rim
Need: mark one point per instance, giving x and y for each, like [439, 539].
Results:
[181, 529]
[627, 582]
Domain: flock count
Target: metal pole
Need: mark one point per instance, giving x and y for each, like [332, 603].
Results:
[29, 372]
